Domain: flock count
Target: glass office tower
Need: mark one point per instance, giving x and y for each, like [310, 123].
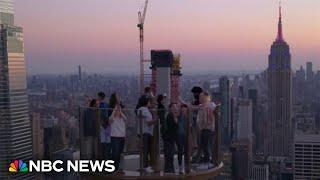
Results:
[6, 12]
[15, 127]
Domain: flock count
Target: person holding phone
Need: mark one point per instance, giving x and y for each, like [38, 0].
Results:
[118, 134]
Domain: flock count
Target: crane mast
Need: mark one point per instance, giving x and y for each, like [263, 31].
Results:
[141, 17]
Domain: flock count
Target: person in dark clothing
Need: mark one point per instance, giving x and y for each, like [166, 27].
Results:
[105, 129]
[147, 94]
[90, 121]
[196, 91]
[161, 112]
[90, 129]
[182, 136]
[169, 138]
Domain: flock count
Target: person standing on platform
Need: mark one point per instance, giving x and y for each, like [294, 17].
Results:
[206, 124]
[183, 128]
[90, 129]
[105, 127]
[195, 132]
[169, 137]
[161, 112]
[148, 123]
[118, 134]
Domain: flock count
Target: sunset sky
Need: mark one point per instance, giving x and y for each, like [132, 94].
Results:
[211, 35]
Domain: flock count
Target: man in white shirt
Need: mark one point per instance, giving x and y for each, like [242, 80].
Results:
[147, 131]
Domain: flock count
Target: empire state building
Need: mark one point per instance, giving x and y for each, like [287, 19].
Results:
[279, 135]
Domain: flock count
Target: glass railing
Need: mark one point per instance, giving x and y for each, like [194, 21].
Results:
[94, 129]
[98, 122]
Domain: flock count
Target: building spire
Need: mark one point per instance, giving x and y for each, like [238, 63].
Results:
[280, 35]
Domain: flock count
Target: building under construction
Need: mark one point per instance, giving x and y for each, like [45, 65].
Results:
[165, 76]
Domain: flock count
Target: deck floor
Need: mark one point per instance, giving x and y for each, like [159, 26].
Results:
[130, 166]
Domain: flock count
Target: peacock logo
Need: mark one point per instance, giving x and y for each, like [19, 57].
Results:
[18, 166]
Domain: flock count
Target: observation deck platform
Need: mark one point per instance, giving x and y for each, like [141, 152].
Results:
[131, 171]
[131, 163]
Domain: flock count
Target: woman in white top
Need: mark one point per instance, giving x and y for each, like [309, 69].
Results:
[118, 134]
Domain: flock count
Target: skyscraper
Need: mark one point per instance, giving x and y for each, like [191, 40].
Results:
[15, 127]
[307, 156]
[309, 85]
[80, 73]
[6, 12]
[253, 96]
[161, 63]
[224, 85]
[175, 78]
[260, 172]
[244, 121]
[241, 146]
[301, 74]
[37, 136]
[241, 159]
[279, 81]
[309, 71]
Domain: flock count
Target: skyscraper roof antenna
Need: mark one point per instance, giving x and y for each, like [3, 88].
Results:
[280, 34]
[280, 15]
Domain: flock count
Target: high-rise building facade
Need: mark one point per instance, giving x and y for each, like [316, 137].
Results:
[307, 157]
[244, 121]
[175, 79]
[260, 172]
[241, 159]
[15, 126]
[6, 12]
[309, 85]
[79, 73]
[224, 85]
[298, 81]
[37, 136]
[279, 81]
[301, 74]
[161, 65]
[304, 122]
[166, 73]
[253, 96]
[309, 71]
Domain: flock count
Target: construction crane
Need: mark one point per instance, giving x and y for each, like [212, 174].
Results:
[141, 18]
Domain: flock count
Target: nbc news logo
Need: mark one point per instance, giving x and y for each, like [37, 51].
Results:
[18, 166]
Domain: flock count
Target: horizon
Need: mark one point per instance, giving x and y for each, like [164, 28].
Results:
[220, 36]
[218, 92]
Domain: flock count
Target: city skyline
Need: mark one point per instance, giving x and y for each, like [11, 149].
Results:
[255, 123]
[224, 36]
[212, 88]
